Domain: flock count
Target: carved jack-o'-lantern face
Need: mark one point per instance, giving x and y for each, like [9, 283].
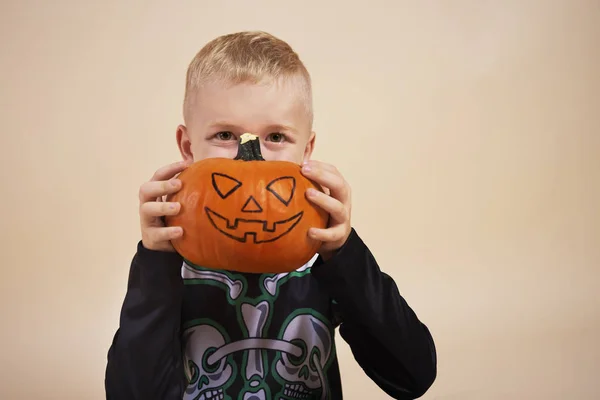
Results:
[249, 222]
[246, 214]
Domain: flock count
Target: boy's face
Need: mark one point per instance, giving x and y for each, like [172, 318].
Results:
[275, 112]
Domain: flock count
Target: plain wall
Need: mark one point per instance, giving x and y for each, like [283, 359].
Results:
[479, 189]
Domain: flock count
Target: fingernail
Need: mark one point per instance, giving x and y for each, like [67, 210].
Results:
[311, 192]
[173, 206]
[306, 168]
[175, 182]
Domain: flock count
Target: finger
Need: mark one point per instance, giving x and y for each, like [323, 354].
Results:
[163, 234]
[334, 207]
[152, 190]
[321, 165]
[332, 180]
[159, 209]
[332, 234]
[169, 171]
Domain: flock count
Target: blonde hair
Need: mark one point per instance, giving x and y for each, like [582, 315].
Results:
[246, 57]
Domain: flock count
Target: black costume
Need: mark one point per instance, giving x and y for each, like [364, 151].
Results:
[220, 335]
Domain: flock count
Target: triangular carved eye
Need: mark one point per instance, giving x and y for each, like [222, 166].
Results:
[224, 184]
[283, 188]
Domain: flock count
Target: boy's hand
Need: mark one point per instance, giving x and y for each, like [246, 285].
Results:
[155, 236]
[337, 203]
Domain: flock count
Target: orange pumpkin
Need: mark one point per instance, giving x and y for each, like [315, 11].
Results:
[246, 214]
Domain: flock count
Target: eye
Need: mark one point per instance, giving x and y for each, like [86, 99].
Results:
[225, 136]
[276, 137]
[283, 188]
[224, 184]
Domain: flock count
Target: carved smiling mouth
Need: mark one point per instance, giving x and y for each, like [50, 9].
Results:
[260, 230]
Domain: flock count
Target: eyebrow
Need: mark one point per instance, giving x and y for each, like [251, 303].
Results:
[282, 127]
[273, 127]
[223, 125]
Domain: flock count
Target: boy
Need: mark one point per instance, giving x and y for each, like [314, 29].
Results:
[187, 332]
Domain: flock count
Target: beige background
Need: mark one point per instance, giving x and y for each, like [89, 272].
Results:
[478, 121]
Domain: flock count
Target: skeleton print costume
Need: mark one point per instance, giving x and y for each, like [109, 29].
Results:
[187, 332]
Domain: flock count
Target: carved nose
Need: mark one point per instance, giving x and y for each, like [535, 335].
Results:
[251, 206]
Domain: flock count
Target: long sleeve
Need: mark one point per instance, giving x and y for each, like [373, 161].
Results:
[144, 360]
[390, 343]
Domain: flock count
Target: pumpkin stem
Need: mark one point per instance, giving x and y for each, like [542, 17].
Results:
[249, 148]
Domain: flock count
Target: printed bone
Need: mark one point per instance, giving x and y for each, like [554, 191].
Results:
[272, 283]
[255, 318]
[235, 288]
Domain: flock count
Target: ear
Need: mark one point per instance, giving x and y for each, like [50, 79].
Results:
[184, 144]
[310, 146]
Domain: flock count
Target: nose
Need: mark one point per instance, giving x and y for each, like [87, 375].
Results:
[251, 206]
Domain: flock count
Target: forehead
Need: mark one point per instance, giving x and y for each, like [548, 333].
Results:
[267, 102]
